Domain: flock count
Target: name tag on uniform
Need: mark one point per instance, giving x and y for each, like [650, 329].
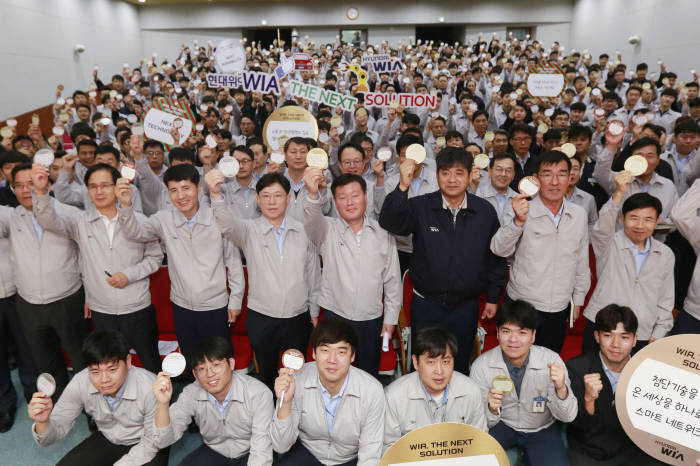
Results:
[538, 403]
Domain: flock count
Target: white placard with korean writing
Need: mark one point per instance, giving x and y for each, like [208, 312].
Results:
[545, 85]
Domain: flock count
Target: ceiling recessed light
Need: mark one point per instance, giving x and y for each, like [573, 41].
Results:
[263, 22]
[142, 1]
[441, 19]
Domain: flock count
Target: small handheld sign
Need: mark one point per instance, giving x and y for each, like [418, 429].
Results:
[384, 154]
[174, 364]
[416, 152]
[44, 157]
[128, 172]
[529, 186]
[481, 161]
[636, 165]
[46, 384]
[229, 166]
[317, 158]
[293, 360]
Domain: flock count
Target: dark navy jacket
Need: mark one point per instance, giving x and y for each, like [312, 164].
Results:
[452, 259]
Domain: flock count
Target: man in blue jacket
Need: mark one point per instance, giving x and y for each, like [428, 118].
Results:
[452, 263]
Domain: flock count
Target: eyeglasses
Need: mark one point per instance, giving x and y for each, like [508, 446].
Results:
[154, 152]
[244, 161]
[351, 163]
[503, 171]
[22, 185]
[522, 140]
[100, 186]
[564, 176]
[216, 367]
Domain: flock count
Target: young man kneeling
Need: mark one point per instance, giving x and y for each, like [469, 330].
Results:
[116, 395]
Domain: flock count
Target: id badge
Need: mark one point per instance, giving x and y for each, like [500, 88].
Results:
[538, 403]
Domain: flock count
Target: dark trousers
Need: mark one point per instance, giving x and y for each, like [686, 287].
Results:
[589, 344]
[298, 455]
[551, 330]
[544, 447]
[685, 323]
[192, 326]
[369, 341]
[11, 330]
[96, 450]
[140, 329]
[626, 457]
[50, 327]
[270, 335]
[404, 261]
[461, 320]
[205, 456]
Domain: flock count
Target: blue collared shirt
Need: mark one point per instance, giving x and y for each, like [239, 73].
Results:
[224, 404]
[681, 162]
[331, 403]
[556, 218]
[192, 221]
[437, 408]
[640, 257]
[37, 228]
[613, 377]
[113, 401]
[296, 187]
[415, 184]
[501, 199]
[279, 234]
[517, 373]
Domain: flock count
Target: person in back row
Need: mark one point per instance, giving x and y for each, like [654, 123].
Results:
[540, 388]
[434, 393]
[233, 412]
[332, 413]
[119, 398]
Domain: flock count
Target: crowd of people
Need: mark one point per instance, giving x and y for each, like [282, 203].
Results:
[326, 251]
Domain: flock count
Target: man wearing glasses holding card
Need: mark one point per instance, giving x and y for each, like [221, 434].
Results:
[115, 269]
[549, 240]
[233, 412]
[526, 388]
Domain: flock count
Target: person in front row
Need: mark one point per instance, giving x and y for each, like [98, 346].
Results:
[435, 393]
[633, 268]
[116, 395]
[332, 412]
[233, 411]
[541, 394]
[596, 437]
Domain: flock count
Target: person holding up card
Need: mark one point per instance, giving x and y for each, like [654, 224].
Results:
[423, 181]
[684, 216]
[115, 269]
[525, 387]
[347, 428]
[645, 179]
[200, 259]
[360, 263]
[283, 270]
[434, 393]
[233, 411]
[496, 189]
[295, 151]
[239, 190]
[549, 240]
[633, 268]
[351, 160]
[596, 437]
[117, 395]
[451, 264]
[50, 295]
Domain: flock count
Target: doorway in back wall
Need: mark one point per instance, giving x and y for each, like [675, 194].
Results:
[265, 36]
[448, 33]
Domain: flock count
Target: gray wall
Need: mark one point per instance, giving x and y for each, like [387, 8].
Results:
[36, 47]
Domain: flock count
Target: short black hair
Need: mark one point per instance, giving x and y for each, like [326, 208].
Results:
[101, 166]
[552, 157]
[350, 145]
[245, 150]
[552, 135]
[644, 142]
[181, 172]
[608, 317]
[406, 140]
[434, 341]
[347, 178]
[686, 126]
[181, 154]
[21, 167]
[641, 201]
[253, 141]
[105, 346]
[580, 130]
[520, 128]
[580, 106]
[108, 149]
[504, 155]
[13, 157]
[454, 135]
[86, 142]
[331, 331]
[297, 140]
[518, 312]
[153, 143]
[268, 179]
[213, 348]
[448, 157]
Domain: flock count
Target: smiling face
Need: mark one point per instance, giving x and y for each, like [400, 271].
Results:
[351, 201]
[215, 376]
[101, 189]
[515, 341]
[554, 180]
[273, 201]
[639, 224]
[333, 361]
[502, 174]
[108, 377]
[615, 345]
[453, 181]
[184, 196]
[295, 156]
